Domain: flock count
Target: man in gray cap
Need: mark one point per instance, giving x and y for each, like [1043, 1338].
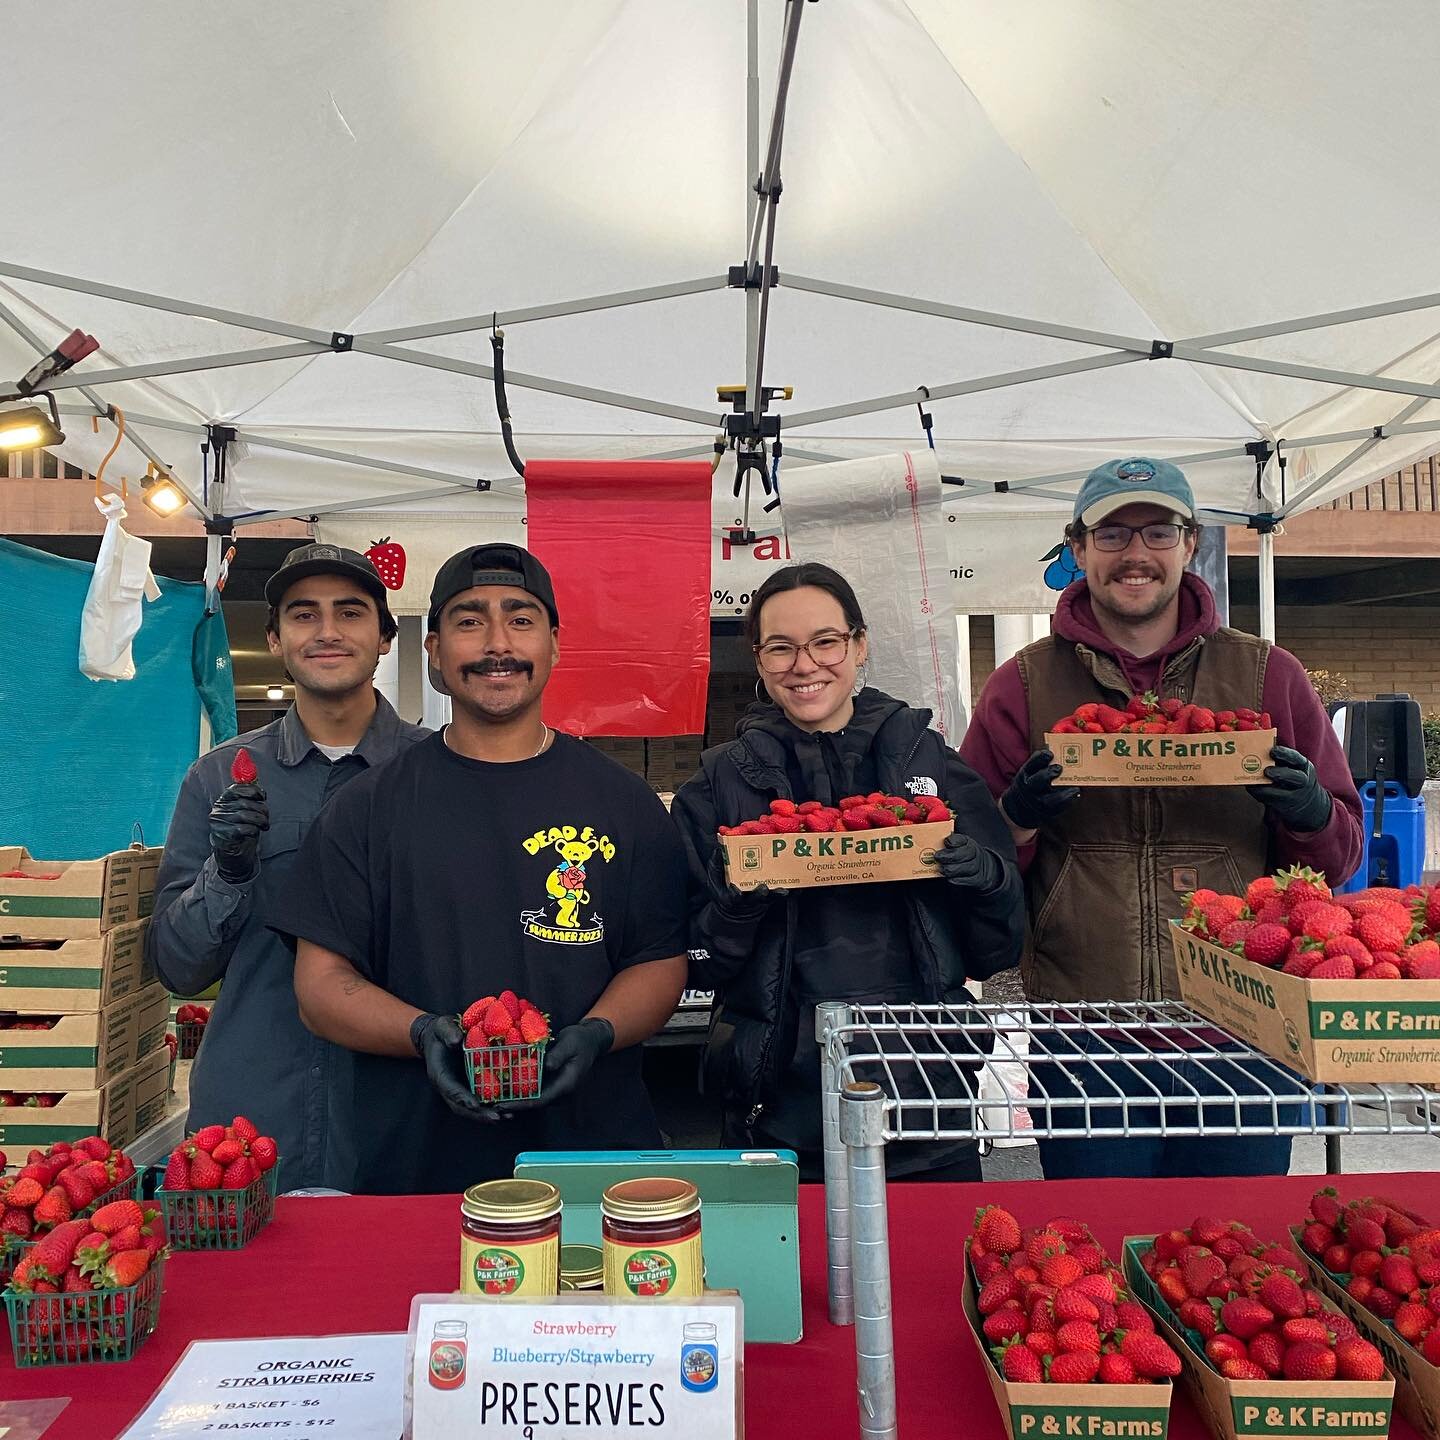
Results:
[1106, 869]
[231, 846]
[500, 859]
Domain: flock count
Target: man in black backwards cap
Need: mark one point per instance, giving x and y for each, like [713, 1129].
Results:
[499, 858]
[231, 847]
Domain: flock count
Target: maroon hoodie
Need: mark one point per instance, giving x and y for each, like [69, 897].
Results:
[997, 743]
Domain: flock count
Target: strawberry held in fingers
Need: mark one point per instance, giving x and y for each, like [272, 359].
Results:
[243, 770]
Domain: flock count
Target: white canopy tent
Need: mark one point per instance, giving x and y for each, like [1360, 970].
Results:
[1085, 229]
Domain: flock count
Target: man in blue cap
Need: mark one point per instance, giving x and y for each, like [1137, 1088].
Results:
[1106, 869]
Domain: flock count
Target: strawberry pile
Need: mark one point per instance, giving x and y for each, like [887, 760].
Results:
[1248, 1311]
[28, 1022]
[505, 1039]
[1056, 1309]
[1148, 715]
[19, 1099]
[876, 811]
[1388, 1260]
[110, 1250]
[59, 1184]
[193, 1015]
[1291, 922]
[191, 1021]
[220, 1157]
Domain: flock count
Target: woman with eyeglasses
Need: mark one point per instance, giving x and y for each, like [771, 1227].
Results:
[821, 734]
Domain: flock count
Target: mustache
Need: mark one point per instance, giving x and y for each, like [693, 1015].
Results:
[498, 667]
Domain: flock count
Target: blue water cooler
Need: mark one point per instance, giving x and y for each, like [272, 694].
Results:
[1386, 751]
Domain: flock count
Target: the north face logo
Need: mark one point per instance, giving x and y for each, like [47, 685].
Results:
[921, 785]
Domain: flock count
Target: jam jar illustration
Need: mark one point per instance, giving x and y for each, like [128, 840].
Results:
[699, 1357]
[447, 1355]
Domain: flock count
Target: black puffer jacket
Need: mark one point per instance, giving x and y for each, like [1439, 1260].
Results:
[947, 935]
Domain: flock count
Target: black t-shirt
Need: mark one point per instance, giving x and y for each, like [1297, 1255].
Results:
[443, 879]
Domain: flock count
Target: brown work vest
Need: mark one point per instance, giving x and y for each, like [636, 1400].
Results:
[1110, 874]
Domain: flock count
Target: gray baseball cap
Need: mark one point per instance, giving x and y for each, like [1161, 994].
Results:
[1136, 481]
[325, 560]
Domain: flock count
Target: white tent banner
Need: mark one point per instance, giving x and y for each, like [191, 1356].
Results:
[1007, 564]
[879, 523]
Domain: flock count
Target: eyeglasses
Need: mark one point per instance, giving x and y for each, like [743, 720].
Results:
[780, 656]
[1114, 538]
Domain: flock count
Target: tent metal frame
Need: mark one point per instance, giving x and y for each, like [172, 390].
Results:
[762, 199]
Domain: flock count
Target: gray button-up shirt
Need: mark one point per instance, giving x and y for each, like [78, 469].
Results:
[257, 1059]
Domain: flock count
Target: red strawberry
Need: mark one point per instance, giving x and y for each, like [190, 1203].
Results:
[476, 1038]
[1242, 1370]
[534, 1027]
[117, 1215]
[242, 768]
[1364, 1234]
[1198, 1315]
[1341, 967]
[1149, 1354]
[1267, 944]
[1131, 1315]
[205, 1174]
[1257, 892]
[1074, 1367]
[1309, 1361]
[1326, 922]
[53, 1208]
[388, 558]
[1299, 884]
[54, 1252]
[263, 1153]
[177, 1172]
[794, 824]
[1003, 1325]
[997, 1293]
[81, 1192]
[497, 1020]
[208, 1138]
[1397, 1273]
[1245, 1317]
[17, 1222]
[1020, 1365]
[997, 1230]
[511, 1001]
[487, 1086]
[1073, 1304]
[1232, 936]
[1382, 969]
[227, 1152]
[475, 1013]
[1380, 935]
[243, 1129]
[1223, 1347]
[1061, 1270]
[1267, 1350]
[239, 1174]
[1078, 1335]
[1424, 966]
[1115, 1369]
[1431, 1348]
[1357, 1359]
[126, 1268]
[1413, 1320]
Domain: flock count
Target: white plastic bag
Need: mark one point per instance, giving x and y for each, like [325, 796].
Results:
[1005, 1084]
[121, 583]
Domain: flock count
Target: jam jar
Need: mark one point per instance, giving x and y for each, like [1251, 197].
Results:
[510, 1238]
[651, 1228]
[582, 1267]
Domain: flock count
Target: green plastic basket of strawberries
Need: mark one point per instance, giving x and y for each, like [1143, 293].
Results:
[88, 1291]
[219, 1187]
[505, 1040]
[190, 1023]
[1054, 1308]
[1385, 1258]
[64, 1182]
[1244, 1306]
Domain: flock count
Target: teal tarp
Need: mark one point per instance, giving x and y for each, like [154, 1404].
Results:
[84, 762]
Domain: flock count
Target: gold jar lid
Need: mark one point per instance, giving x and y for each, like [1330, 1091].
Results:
[582, 1267]
[511, 1202]
[655, 1197]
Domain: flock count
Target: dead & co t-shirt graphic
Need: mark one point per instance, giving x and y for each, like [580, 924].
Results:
[567, 915]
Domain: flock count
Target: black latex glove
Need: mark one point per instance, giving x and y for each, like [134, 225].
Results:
[569, 1058]
[1294, 796]
[1033, 800]
[236, 820]
[440, 1043]
[969, 865]
[740, 904]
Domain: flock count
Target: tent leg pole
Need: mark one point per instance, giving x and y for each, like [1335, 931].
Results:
[1267, 585]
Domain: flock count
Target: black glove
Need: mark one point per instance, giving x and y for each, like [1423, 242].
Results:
[969, 865]
[1032, 799]
[1294, 796]
[737, 904]
[569, 1058]
[236, 820]
[440, 1043]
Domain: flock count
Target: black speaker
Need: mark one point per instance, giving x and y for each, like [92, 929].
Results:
[1383, 741]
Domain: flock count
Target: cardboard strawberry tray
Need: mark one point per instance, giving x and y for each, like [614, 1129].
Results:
[1237, 758]
[1237, 1409]
[53, 974]
[56, 899]
[905, 852]
[1379, 1032]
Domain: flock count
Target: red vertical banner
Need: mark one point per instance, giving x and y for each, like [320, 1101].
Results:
[627, 545]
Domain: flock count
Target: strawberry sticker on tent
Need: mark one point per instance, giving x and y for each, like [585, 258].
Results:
[388, 558]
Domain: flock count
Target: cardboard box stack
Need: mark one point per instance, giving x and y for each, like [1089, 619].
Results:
[82, 1018]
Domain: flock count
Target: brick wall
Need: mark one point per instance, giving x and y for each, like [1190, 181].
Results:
[982, 651]
[1376, 648]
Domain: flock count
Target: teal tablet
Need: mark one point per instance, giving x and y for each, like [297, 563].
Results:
[749, 1203]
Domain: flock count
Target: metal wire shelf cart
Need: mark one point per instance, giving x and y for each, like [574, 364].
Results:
[895, 1074]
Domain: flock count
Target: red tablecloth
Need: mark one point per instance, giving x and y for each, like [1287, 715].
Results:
[331, 1266]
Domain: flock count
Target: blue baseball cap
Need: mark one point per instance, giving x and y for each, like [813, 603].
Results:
[1137, 481]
